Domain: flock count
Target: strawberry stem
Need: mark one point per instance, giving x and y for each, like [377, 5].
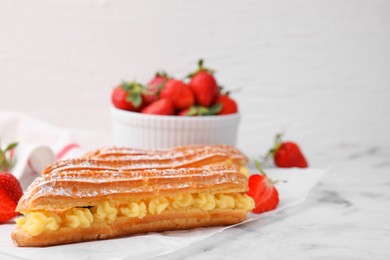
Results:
[162, 74]
[200, 64]
[200, 68]
[277, 143]
[258, 166]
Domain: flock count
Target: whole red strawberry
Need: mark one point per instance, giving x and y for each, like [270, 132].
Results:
[10, 193]
[179, 93]
[263, 191]
[153, 88]
[160, 107]
[203, 85]
[287, 154]
[229, 106]
[128, 96]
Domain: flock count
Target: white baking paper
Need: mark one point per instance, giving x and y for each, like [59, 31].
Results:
[294, 191]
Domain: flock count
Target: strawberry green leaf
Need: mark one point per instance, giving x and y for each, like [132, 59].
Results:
[135, 98]
[126, 86]
[192, 111]
[215, 109]
[203, 111]
[6, 163]
[10, 147]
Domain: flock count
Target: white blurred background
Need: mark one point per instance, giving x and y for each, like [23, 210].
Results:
[319, 70]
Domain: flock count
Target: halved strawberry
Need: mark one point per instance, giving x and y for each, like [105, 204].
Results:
[7, 207]
[263, 191]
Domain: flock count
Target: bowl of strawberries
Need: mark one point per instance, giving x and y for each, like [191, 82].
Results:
[168, 112]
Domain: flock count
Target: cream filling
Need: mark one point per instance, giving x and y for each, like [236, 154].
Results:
[245, 170]
[37, 222]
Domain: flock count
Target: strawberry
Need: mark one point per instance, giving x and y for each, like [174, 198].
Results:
[160, 107]
[201, 111]
[154, 87]
[179, 93]
[7, 207]
[229, 106]
[7, 159]
[287, 154]
[10, 185]
[128, 96]
[203, 85]
[10, 193]
[263, 191]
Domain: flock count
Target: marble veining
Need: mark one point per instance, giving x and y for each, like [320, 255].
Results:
[329, 196]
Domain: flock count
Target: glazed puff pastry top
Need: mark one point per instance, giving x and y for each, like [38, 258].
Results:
[184, 156]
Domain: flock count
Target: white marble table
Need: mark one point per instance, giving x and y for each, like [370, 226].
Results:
[347, 216]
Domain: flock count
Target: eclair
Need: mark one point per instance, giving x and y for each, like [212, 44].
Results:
[76, 202]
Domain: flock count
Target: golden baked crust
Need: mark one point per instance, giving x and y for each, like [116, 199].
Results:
[76, 186]
[184, 156]
[127, 226]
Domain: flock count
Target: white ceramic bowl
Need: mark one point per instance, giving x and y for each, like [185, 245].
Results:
[154, 131]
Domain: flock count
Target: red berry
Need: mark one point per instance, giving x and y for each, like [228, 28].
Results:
[287, 154]
[10, 193]
[263, 192]
[128, 96]
[203, 85]
[154, 87]
[229, 106]
[160, 107]
[11, 186]
[7, 207]
[179, 93]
